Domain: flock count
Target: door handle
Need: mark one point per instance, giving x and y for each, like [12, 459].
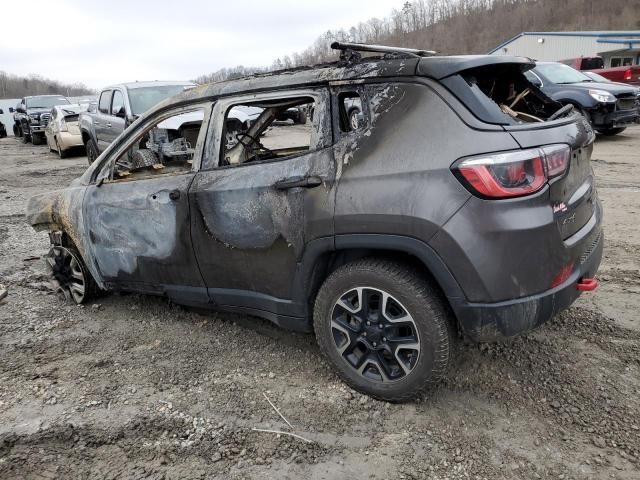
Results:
[174, 195]
[298, 182]
[108, 125]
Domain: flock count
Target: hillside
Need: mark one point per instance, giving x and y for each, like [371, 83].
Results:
[14, 86]
[461, 26]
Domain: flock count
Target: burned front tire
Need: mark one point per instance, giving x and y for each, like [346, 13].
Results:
[384, 329]
[71, 278]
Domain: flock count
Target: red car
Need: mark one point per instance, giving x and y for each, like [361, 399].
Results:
[626, 74]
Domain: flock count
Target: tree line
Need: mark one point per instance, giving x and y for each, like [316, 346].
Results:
[15, 86]
[458, 27]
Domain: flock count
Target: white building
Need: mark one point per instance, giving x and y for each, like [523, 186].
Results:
[617, 48]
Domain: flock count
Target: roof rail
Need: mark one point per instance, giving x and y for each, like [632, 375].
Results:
[363, 47]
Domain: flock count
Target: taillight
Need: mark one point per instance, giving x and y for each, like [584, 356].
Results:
[627, 74]
[513, 174]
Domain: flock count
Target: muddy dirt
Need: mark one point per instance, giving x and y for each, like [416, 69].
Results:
[132, 387]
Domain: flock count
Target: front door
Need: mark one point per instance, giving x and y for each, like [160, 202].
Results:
[262, 195]
[138, 220]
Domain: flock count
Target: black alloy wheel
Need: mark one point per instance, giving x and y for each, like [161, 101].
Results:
[375, 334]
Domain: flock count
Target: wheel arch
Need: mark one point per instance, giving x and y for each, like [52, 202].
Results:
[324, 255]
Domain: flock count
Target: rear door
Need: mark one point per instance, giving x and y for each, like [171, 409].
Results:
[252, 221]
[116, 124]
[102, 120]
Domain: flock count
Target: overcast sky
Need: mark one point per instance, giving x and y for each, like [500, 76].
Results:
[98, 43]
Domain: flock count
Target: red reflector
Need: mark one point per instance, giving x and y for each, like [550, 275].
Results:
[562, 275]
[587, 284]
[627, 74]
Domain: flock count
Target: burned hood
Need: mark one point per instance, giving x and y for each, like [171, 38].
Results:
[442, 67]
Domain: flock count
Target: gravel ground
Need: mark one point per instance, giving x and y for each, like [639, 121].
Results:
[134, 387]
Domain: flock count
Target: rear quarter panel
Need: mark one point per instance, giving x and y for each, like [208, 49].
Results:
[395, 176]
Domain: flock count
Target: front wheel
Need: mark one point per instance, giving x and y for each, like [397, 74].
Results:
[384, 329]
[610, 132]
[71, 278]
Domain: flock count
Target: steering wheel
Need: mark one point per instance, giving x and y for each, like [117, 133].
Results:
[254, 141]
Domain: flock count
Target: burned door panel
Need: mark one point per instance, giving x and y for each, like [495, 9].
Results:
[247, 233]
[250, 222]
[138, 233]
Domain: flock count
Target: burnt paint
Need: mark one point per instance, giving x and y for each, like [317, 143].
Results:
[138, 237]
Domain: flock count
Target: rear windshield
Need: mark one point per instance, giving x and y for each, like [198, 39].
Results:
[592, 63]
[501, 94]
[143, 98]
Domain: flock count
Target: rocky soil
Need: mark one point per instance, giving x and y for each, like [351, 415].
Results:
[132, 387]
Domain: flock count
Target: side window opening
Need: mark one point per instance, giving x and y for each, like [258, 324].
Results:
[105, 102]
[267, 130]
[117, 104]
[351, 113]
[165, 148]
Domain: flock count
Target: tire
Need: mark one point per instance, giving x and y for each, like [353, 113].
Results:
[610, 132]
[346, 339]
[36, 139]
[61, 153]
[70, 275]
[92, 151]
[17, 131]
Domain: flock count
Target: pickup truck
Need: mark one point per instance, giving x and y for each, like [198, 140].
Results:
[629, 74]
[31, 116]
[119, 106]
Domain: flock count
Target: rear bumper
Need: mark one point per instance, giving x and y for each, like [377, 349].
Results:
[485, 322]
[68, 140]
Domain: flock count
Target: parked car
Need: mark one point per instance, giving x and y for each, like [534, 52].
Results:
[32, 116]
[446, 208]
[625, 73]
[3, 129]
[610, 107]
[118, 106]
[600, 79]
[62, 132]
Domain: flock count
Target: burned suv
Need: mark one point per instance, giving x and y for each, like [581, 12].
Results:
[459, 201]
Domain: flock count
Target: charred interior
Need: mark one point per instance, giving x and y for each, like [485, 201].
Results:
[508, 87]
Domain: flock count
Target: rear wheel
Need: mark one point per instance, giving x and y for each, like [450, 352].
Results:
[610, 132]
[37, 139]
[92, 151]
[61, 153]
[71, 277]
[384, 329]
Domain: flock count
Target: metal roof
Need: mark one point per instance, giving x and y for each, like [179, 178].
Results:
[601, 34]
